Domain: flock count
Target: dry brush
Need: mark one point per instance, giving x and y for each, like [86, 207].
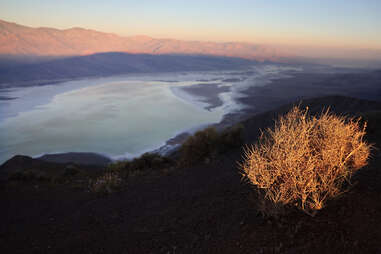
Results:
[305, 160]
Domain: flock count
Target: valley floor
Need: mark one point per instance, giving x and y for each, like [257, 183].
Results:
[201, 209]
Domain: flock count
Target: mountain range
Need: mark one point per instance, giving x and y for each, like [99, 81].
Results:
[21, 40]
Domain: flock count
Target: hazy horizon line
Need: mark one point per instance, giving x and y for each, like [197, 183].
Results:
[259, 42]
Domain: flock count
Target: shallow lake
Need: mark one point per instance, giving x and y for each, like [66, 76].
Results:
[121, 116]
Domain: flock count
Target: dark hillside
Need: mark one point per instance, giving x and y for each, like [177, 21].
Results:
[112, 63]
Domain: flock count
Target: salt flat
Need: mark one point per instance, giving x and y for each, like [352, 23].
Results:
[121, 116]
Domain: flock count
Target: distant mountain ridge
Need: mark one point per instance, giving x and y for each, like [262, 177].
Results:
[16, 39]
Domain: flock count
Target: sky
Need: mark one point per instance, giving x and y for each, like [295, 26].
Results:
[314, 23]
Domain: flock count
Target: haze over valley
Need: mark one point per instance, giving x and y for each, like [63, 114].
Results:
[173, 126]
[54, 58]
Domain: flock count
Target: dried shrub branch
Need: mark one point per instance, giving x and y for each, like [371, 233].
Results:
[305, 160]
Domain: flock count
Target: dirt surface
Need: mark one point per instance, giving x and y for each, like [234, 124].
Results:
[202, 209]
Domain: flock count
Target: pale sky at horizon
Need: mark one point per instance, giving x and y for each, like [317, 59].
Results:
[328, 23]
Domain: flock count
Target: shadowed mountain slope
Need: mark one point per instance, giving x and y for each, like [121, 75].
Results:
[114, 63]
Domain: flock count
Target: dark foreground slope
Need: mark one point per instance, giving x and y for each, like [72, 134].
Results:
[201, 209]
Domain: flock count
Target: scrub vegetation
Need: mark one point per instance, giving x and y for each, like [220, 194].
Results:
[305, 160]
[205, 145]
